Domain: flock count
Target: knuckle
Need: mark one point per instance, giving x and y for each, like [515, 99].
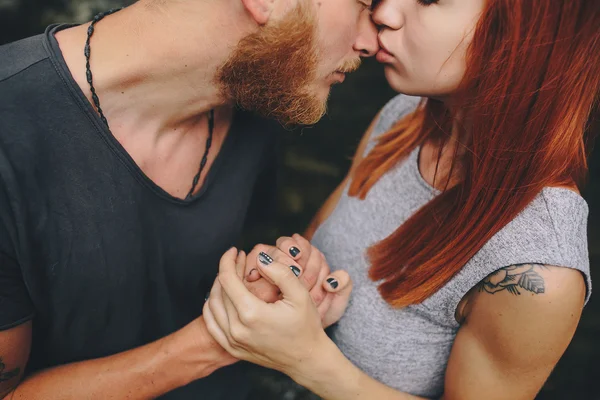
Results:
[249, 317]
[284, 242]
[311, 275]
[318, 296]
[239, 333]
[269, 295]
[282, 257]
[264, 290]
[288, 277]
[261, 247]
[302, 241]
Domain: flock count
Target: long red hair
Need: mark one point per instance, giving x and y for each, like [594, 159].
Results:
[530, 88]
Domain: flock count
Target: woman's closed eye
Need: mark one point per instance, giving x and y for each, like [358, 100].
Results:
[366, 4]
[427, 2]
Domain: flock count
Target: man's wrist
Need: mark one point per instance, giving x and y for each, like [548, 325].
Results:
[200, 354]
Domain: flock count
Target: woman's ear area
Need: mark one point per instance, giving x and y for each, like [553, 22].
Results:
[259, 10]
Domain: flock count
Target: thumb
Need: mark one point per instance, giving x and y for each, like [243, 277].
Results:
[338, 282]
[282, 276]
[339, 285]
[240, 264]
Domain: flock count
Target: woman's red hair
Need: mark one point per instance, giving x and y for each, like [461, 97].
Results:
[530, 89]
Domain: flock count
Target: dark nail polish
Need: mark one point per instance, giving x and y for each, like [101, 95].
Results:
[206, 297]
[295, 270]
[264, 258]
[333, 283]
[294, 251]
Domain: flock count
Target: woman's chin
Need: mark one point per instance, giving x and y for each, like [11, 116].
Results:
[411, 87]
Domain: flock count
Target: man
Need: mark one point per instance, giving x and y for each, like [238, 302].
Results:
[125, 175]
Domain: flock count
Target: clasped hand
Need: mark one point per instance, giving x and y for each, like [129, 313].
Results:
[271, 306]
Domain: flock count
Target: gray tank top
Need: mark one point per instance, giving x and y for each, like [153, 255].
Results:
[408, 348]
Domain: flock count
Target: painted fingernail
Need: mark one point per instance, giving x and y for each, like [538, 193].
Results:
[294, 251]
[333, 283]
[264, 258]
[206, 297]
[295, 270]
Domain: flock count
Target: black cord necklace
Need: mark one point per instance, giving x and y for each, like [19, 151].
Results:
[96, 100]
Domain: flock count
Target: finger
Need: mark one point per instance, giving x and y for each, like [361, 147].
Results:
[281, 275]
[280, 257]
[289, 246]
[215, 330]
[217, 307]
[240, 264]
[264, 290]
[313, 268]
[283, 258]
[305, 248]
[340, 285]
[233, 285]
[251, 271]
[232, 316]
[232, 313]
[338, 282]
[318, 292]
[259, 287]
[325, 305]
[253, 275]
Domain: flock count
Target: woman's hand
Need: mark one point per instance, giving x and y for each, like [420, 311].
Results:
[285, 335]
[329, 292]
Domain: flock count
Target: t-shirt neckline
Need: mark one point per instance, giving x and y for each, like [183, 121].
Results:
[55, 55]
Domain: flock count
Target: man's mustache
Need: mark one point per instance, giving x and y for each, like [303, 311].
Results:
[350, 66]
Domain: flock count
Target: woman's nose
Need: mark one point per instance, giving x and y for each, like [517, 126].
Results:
[385, 15]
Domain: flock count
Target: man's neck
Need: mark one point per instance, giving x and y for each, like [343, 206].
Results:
[154, 66]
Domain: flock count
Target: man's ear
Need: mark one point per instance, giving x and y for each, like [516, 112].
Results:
[260, 10]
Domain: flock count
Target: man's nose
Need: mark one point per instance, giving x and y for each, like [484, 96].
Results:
[366, 41]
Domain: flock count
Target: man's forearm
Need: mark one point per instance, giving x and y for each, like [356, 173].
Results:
[145, 372]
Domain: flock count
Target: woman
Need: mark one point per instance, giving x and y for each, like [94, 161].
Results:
[460, 222]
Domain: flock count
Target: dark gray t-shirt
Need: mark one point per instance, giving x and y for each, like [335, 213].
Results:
[101, 258]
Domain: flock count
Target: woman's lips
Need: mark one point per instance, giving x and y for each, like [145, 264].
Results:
[383, 56]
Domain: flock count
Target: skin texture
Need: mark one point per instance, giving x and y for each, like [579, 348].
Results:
[515, 324]
[157, 103]
[425, 45]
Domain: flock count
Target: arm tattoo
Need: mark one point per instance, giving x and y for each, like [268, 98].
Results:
[513, 278]
[8, 375]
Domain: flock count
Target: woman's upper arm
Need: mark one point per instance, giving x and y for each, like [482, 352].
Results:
[15, 345]
[517, 326]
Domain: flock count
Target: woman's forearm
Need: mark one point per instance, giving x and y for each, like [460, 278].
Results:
[332, 376]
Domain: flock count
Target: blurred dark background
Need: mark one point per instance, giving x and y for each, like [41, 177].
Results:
[313, 161]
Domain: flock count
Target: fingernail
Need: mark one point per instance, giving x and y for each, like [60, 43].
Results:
[295, 270]
[206, 297]
[264, 258]
[333, 283]
[294, 251]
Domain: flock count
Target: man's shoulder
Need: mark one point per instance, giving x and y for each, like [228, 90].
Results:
[18, 56]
